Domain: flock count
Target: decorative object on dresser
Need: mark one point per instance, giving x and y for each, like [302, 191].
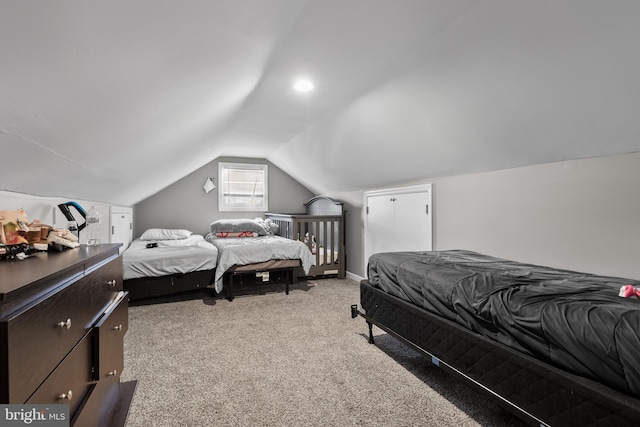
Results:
[63, 316]
[321, 229]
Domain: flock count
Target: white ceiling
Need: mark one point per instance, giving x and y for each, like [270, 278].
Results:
[114, 100]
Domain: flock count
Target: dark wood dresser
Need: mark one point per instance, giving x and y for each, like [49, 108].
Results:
[63, 316]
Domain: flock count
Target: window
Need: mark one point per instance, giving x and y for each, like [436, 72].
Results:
[243, 187]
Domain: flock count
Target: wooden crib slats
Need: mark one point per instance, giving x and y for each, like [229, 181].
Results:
[326, 231]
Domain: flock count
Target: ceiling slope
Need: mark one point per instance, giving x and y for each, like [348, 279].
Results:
[114, 101]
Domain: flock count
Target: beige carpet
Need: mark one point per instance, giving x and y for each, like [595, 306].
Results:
[270, 359]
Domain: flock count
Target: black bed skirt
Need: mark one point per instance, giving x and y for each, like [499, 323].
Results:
[535, 391]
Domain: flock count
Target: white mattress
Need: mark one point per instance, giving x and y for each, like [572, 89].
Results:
[332, 256]
[251, 250]
[170, 257]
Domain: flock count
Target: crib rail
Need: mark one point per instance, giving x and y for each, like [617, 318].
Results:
[322, 234]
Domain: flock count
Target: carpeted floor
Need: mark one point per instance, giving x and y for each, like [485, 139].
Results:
[270, 359]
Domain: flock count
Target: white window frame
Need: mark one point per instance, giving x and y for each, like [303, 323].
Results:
[223, 201]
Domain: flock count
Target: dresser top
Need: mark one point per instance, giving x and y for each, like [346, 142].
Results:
[40, 269]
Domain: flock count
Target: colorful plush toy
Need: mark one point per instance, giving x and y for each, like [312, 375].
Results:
[628, 291]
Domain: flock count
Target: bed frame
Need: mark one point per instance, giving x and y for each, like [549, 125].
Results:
[536, 392]
[284, 266]
[149, 287]
[324, 219]
[152, 287]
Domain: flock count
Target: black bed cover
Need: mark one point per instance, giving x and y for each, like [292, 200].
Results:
[576, 321]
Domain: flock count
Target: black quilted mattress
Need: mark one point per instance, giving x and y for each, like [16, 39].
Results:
[574, 321]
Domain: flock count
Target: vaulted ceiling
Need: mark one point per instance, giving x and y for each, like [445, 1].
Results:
[114, 100]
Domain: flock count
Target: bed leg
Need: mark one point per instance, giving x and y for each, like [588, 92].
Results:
[371, 340]
[288, 274]
[230, 288]
[355, 313]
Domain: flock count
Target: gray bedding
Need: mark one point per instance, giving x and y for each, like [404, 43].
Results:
[175, 256]
[234, 251]
[575, 321]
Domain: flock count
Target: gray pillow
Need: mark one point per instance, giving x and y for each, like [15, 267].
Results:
[236, 226]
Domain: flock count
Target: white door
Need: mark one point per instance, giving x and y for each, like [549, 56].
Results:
[413, 222]
[397, 219]
[379, 228]
[122, 226]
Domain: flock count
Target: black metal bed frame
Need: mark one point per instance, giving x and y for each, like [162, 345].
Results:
[538, 393]
[230, 274]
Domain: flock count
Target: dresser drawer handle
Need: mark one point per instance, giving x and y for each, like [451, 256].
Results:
[117, 328]
[111, 282]
[112, 373]
[66, 324]
[67, 395]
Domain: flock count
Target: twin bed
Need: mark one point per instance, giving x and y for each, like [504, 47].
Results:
[167, 261]
[556, 347]
[250, 246]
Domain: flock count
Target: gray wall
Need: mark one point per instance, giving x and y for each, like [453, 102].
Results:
[581, 214]
[184, 204]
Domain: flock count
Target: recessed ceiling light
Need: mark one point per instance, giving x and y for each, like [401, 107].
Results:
[303, 85]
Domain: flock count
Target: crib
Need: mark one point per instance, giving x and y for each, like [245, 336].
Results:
[321, 229]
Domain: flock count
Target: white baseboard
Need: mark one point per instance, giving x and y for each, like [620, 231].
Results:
[355, 277]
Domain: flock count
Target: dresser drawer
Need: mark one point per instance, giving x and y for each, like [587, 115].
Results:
[105, 284]
[40, 337]
[70, 381]
[109, 340]
[97, 409]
